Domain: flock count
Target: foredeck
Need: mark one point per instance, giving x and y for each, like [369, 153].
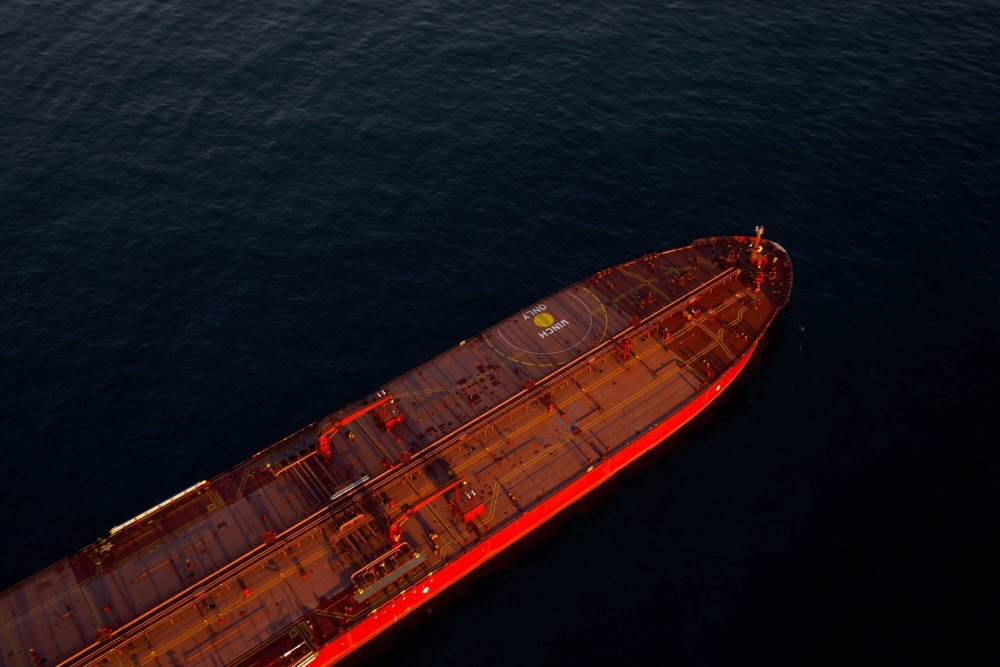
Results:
[290, 548]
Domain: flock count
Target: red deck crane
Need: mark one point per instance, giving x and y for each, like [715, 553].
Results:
[323, 446]
[396, 527]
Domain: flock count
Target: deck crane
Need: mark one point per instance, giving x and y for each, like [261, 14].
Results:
[757, 262]
[396, 527]
[323, 446]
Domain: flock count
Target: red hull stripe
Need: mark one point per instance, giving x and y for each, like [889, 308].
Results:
[410, 599]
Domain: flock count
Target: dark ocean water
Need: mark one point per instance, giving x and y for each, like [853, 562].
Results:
[221, 221]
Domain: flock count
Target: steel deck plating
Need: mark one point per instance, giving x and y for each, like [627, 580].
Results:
[303, 553]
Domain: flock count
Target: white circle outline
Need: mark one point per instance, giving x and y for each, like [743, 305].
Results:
[590, 327]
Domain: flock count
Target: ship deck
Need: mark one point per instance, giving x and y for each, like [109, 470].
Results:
[290, 546]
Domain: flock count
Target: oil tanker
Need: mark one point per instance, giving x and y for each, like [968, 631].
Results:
[322, 541]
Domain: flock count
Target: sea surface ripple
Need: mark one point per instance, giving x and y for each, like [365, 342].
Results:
[220, 221]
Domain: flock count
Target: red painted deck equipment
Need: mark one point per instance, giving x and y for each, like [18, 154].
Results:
[519, 421]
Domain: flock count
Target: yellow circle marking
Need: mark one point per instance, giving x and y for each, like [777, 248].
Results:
[544, 320]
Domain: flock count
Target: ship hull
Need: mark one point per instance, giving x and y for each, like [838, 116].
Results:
[320, 543]
[409, 601]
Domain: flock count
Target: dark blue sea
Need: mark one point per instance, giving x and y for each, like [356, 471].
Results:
[220, 221]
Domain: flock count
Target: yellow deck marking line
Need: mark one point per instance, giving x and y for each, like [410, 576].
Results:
[364, 432]
[457, 541]
[528, 425]
[522, 428]
[590, 423]
[94, 578]
[441, 521]
[218, 498]
[243, 482]
[149, 570]
[424, 490]
[169, 560]
[643, 283]
[266, 585]
[600, 417]
[513, 359]
[574, 396]
[567, 439]
[272, 581]
[716, 337]
[724, 346]
[739, 318]
[725, 304]
[616, 372]
[90, 604]
[603, 334]
[156, 544]
[531, 423]
[600, 304]
[687, 267]
[211, 643]
[428, 507]
[647, 283]
[337, 614]
[657, 290]
[652, 349]
[500, 441]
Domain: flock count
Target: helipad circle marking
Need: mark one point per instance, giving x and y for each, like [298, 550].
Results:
[590, 327]
[544, 320]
